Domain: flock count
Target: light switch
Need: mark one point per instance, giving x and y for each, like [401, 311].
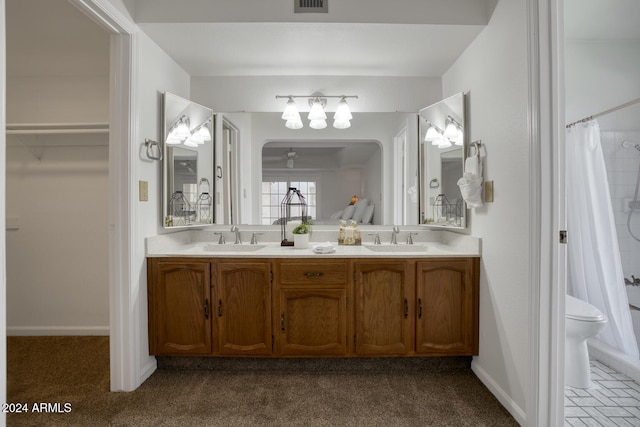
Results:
[488, 191]
[143, 190]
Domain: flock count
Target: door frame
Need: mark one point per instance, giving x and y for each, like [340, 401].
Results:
[545, 403]
[125, 370]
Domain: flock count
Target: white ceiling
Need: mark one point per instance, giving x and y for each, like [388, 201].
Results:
[311, 155]
[267, 49]
[222, 38]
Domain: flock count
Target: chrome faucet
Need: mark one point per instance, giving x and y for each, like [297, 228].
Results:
[221, 240]
[254, 238]
[394, 240]
[376, 240]
[410, 239]
[235, 229]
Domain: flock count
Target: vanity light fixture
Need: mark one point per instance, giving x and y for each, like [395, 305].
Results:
[452, 134]
[180, 133]
[433, 133]
[317, 116]
[201, 134]
[453, 131]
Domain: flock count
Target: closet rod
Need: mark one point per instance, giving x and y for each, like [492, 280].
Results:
[55, 128]
[605, 112]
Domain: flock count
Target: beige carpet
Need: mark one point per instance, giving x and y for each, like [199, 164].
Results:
[246, 392]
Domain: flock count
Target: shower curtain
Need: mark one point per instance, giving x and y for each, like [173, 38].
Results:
[594, 266]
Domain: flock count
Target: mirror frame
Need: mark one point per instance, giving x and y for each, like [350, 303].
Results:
[455, 106]
[174, 107]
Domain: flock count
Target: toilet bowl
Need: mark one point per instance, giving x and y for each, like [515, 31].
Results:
[582, 321]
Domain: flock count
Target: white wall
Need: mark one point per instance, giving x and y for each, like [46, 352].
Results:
[600, 75]
[493, 70]
[57, 244]
[257, 94]
[57, 208]
[157, 73]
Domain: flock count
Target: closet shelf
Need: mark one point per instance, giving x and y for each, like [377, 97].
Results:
[56, 128]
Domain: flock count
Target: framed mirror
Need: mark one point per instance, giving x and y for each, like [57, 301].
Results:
[188, 163]
[442, 147]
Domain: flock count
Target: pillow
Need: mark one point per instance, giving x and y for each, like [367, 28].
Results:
[360, 206]
[337, 215]
[348, 212]
[367, 217]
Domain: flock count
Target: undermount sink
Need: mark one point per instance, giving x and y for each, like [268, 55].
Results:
[396, 248]
[232, 248]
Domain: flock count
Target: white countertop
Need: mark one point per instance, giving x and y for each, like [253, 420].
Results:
[426, 244]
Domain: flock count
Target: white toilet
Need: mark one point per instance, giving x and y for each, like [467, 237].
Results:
[582, 321]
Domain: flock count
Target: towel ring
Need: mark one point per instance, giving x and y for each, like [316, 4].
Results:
[475, 144]
[150, 154]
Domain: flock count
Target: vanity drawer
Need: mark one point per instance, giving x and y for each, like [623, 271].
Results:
[313, 272]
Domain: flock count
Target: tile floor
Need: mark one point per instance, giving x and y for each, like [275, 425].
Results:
[613, 401]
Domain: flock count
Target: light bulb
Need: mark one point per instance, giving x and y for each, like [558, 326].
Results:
[182, 131]
[294, 124]
[432, 133]
[290, 111]
[341, 124]
[172, 139]
[317, 112]
[202, 134]
[318, 124]
[451, 131]
[189, 142]
[342, 112]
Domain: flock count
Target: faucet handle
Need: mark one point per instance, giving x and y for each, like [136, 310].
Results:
[254, 238]
[221, 240]
[376, 240]
[410, 238]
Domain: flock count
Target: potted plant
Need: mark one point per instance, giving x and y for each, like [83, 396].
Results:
[301, 235]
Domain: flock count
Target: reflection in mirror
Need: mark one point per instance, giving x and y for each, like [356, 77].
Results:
[338, 179]
[442, 154]
[188, 163]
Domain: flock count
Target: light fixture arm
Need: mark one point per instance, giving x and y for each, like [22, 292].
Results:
[316, 96]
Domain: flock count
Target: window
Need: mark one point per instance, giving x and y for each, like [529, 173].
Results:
[273, 191]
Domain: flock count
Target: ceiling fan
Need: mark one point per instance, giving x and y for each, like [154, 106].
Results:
[290, 156]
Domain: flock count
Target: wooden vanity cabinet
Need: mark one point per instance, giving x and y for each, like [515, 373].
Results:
[310, 302]
[383, 307]
[179, 301]
[447, 306]
[301, 307]
[242, 312]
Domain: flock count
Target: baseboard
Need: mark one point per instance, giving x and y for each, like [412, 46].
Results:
[34, 331]
[148, 369]
[504, 399]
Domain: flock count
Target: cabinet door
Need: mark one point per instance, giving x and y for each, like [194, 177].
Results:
[447, 307]
[312, 322]
[243, 307]
[383, 318]
[179, 307]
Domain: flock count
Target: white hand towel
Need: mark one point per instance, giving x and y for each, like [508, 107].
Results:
[471, 182]
[324, 248]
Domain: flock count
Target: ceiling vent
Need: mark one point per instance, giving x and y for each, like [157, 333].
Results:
[311, 6]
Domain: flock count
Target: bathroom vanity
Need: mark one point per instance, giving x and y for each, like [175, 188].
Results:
[269, 301]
